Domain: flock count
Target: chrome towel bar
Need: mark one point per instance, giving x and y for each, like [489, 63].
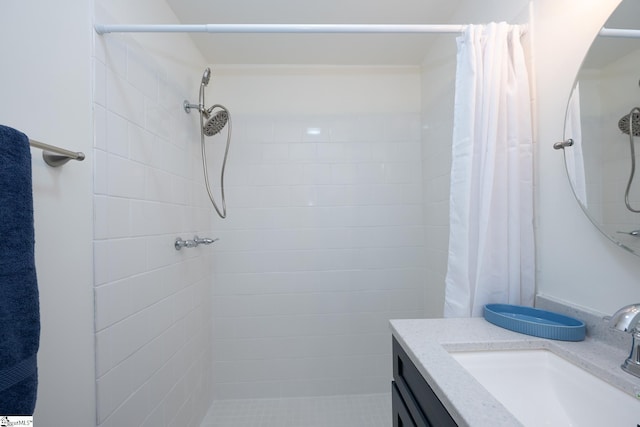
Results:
[56, 156]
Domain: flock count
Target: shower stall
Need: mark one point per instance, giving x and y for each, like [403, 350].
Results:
[336, 205]
[322, 244]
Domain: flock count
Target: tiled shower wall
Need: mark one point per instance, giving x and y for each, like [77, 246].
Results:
[152, 303]
[607, 94]
[438, 87]
[620, 92]
[322, 245]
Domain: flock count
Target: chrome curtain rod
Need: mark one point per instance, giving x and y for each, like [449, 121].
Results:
[620, 32]
[281, 28]
[56, 156]
[316, 28]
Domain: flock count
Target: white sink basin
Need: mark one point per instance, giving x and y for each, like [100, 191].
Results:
[542, 389]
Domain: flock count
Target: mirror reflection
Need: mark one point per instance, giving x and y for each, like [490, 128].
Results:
[603, 120]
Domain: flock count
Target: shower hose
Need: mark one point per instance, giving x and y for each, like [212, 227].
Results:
[633, 161]
[222, 213]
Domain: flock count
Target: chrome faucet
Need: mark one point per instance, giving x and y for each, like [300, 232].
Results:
[627, 319]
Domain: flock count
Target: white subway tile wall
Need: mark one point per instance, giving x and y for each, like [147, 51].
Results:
[152, 303]
[323, 244]
[438, 82]
[607, 94]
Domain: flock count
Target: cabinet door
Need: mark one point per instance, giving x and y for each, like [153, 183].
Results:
[401, 417]
[422, 402]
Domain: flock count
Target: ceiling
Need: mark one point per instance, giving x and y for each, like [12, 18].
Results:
[338, 49]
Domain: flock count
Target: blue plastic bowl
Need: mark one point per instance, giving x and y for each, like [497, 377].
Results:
[535, 322]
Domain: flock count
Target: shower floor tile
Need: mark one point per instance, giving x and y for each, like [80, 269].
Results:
[369, 410]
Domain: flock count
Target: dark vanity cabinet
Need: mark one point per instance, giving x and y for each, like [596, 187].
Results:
[414, 404]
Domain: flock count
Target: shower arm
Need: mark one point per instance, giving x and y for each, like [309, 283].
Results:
[187, 106]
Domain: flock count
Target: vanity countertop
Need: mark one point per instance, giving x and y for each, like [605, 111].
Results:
[428, 341]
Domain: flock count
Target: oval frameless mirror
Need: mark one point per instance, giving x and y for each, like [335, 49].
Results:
[603, 164]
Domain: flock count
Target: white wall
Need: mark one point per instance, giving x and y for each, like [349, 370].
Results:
[575, 262]
[323, 240]
[152, 303]
[45, 80]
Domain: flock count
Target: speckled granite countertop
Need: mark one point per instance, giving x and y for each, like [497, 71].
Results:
[428, 341]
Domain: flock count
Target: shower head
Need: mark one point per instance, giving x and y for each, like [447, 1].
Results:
[206, 76]
[216, 122]
[623, 123]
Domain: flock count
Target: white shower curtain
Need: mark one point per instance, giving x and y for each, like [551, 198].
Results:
[491, 244]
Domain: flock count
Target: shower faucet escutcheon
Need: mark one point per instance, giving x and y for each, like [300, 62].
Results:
[627, 319]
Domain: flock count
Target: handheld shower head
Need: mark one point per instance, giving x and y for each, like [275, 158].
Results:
[634, 118]
[216, 122]
[206, 76]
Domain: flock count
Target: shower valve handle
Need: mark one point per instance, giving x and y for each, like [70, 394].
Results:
[203, 241]
[179, 243]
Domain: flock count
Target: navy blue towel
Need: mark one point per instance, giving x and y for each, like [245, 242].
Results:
[19, 305]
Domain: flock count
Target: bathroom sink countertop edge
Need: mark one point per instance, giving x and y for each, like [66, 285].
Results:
[429, 341]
